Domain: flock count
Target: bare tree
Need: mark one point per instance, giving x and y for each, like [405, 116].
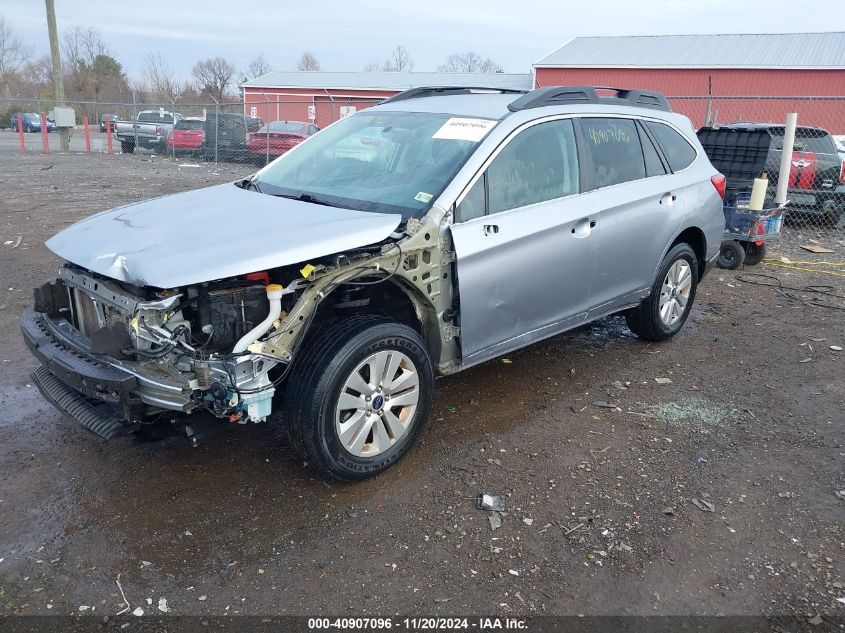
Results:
[90, 71]
[400, 60]
[159, 80]
[39, 73]
[469, 62]
[81, 46]
[308, 62]
[213, 76]
[14, 53]
[256, 68]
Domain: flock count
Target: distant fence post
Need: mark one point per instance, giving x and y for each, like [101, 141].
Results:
[44, 140]
[21, 139]
[87, 135]
[109, 131]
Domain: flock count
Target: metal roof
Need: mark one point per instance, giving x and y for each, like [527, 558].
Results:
[387, 80]
[759, 50]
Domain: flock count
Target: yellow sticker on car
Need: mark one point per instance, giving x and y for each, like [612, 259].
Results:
[422, 196]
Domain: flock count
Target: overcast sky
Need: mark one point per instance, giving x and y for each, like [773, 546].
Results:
[347, 34]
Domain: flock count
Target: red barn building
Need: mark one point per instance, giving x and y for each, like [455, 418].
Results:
[324, 97]
[755, 77]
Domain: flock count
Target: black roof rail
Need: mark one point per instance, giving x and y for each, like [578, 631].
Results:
[559, 95]
[435, 91]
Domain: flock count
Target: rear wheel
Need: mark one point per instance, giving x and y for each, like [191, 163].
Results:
[731, 255]
[127, 148]
[359, 397]
[754, 253]
[663, 313]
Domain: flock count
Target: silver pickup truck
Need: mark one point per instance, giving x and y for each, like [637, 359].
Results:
[150, 130]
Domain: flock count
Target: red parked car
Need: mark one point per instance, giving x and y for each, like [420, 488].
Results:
[187, 135]
[280, 136]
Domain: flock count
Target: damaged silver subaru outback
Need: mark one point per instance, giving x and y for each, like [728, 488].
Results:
[438, 230]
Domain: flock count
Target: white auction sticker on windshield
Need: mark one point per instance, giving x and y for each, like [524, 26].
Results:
[458, 129]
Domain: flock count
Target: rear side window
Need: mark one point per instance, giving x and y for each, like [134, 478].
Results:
[614, 146]
[539, 164]
[653, 164]
[676, 148]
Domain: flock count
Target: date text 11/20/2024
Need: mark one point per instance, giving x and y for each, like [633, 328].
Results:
[418, 624]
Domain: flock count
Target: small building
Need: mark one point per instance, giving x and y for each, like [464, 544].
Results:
[752, 77]
[324, 97]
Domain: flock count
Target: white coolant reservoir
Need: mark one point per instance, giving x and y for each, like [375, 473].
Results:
[274, 296]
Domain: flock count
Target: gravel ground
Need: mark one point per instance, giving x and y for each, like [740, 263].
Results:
[713, 490]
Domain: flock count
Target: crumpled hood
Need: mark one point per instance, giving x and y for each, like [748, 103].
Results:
[212, 233]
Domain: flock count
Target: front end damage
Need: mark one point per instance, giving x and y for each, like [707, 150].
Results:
[118, 357]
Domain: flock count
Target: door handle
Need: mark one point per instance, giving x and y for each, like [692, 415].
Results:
[668, 199]
[491, 229]
[583, 227]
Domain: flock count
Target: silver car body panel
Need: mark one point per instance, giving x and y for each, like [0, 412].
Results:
[213, 233]
[534, 278]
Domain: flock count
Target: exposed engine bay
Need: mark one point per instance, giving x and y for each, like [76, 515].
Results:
[197, 335]
[225, 346]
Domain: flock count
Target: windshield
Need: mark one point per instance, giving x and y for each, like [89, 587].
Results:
[387, 162]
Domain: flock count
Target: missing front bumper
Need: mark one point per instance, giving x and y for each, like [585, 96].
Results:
[129, 388]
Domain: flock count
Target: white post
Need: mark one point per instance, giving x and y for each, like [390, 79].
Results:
[786, 158]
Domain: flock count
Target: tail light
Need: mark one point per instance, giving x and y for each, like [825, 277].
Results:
[842, 173]
[720, 182]
[158, 129]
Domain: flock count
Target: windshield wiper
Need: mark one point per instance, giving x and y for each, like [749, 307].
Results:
[248, 183]
[306, 197]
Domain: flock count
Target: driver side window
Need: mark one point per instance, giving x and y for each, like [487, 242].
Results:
[539, 164]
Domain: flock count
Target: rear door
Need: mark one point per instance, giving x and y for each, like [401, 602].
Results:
[525, 253]
[636, 202]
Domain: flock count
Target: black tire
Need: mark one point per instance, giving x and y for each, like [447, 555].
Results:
[127, 148]
[644, 320]
[731, 255]
[754, 254]
[317, 380]
[831, 215]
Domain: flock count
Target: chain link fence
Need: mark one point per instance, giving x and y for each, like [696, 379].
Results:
[743, 134]
[744, 139]
[255, 132]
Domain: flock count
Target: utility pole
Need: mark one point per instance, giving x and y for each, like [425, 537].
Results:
[58, 84]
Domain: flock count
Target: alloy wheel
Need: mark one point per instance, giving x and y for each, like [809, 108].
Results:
[377, 403]
[675, 292]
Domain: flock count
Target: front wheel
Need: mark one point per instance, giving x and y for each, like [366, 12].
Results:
[663, 313]
[359, 397]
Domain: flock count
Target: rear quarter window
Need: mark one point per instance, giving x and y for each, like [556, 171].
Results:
[676, 148]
